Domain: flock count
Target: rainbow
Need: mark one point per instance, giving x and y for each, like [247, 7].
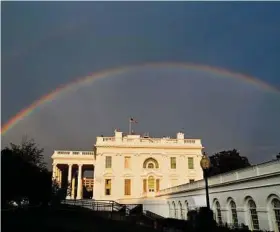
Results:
[103, 74]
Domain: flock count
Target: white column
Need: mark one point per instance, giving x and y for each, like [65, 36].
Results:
[69, 173]
[79, 190]
[54, 171]
[93, 183]
[69, 182]
[59, 176]
[73, 188]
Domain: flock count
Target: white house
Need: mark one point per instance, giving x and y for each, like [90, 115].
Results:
[164, 175]
[132, 166]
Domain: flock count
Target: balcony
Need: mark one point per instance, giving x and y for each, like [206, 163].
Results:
[77, 153]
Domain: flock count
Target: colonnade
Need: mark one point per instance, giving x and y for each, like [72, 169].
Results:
[73, 171]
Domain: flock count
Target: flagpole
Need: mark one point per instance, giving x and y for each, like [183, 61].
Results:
[129, 130]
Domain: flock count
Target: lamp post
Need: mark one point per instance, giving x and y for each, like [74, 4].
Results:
[205, 165]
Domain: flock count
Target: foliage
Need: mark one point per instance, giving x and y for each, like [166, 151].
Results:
[226, 161]
[24, 174]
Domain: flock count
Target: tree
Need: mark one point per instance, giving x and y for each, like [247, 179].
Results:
[29, 152]
[24, 173]
[226, 161]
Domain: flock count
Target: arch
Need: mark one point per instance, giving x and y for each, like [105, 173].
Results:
[252, 214]
[273, 205]
[181, 211]
[150, 161]
[233, 218]
[217, 211]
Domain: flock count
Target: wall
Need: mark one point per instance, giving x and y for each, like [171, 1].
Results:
[118, 148]
[260, 183]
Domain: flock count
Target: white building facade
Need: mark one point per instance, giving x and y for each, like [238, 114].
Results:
[249, 196]
[131, 166]
[165, 176]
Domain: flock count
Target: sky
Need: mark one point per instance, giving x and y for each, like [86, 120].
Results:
[47, 44]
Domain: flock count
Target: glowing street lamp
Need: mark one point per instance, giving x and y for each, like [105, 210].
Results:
[205, 165]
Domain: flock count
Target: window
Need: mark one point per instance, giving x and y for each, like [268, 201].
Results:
[190, 162]
[191, 180]
[234, 217]
[218, 213]
[151, 184]
[108, 162]
[144, 185]
[175, 209]
[127, 187]
[108, 187]
[276, 209]
[253, 215]
[151, 165]
[173, 162]
[181, 210]
[147, 162]
[127, 160]
[187, 209]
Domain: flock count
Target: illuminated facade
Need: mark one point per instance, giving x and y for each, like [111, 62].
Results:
[131, 166]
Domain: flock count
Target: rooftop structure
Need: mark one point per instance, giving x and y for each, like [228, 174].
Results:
[133, 140]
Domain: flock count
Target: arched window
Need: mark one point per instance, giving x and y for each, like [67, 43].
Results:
[174, 209]
[234, 218]
[254, 220]
[151, 184]
[150, 163]
[218, 214]
[276, 209]
[187, 209]
[181, 211]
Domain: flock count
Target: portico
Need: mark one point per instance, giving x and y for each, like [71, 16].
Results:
[68, 170]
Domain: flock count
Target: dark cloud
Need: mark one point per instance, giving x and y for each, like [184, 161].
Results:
[224, 112]
[47, 44]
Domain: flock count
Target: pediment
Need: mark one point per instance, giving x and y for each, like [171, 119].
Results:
[128, 175]
[152, 173]
[108, 174]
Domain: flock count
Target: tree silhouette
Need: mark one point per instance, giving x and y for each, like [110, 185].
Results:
[24, 174]
[226, 161]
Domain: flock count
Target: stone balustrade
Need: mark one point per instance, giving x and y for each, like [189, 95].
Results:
[59, 152]
[147, 141]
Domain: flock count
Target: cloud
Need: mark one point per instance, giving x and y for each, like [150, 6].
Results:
[224, 112]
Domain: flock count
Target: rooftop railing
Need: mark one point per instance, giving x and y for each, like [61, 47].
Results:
[91, 153]
[150, 141]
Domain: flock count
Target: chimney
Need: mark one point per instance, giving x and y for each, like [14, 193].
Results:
[180, 136]
[118, 135]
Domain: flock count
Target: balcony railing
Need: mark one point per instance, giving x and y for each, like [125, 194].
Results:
[149, 141]
[91, 153]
